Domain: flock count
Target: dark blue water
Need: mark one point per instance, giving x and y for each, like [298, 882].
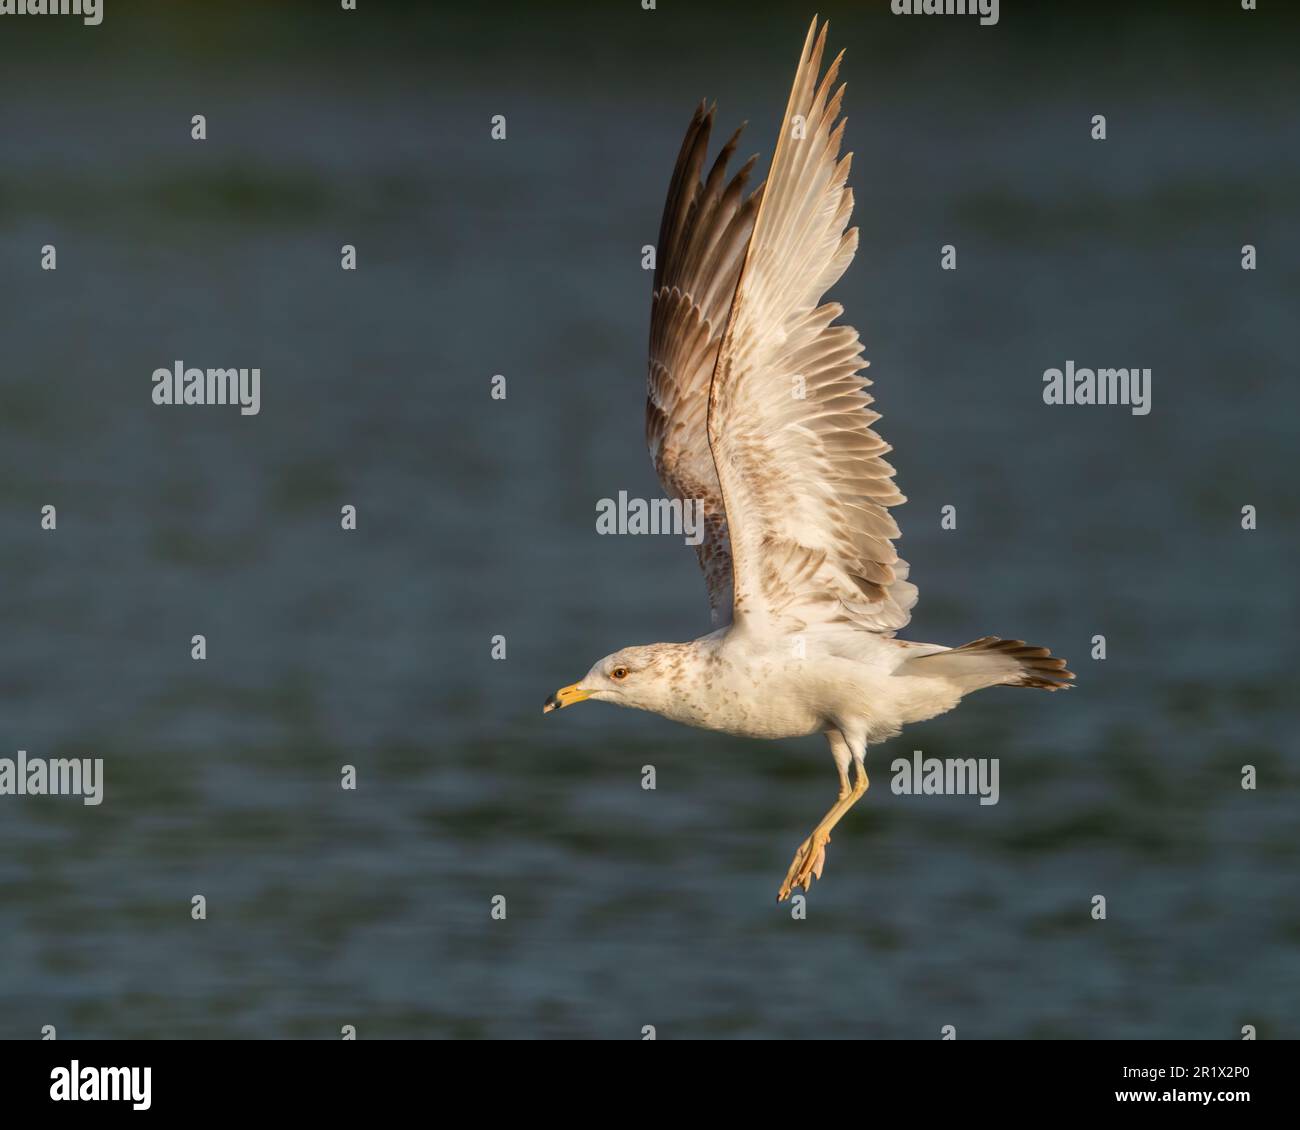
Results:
[372, 648]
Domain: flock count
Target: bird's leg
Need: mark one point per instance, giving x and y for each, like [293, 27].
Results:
[811, 856]
[843, 771]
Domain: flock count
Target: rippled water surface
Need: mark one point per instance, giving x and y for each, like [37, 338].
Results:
[522, 258]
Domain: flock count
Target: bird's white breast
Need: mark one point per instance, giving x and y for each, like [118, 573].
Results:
[752, 690]
[785, 687]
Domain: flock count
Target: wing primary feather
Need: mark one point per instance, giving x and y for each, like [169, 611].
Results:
[805, 491]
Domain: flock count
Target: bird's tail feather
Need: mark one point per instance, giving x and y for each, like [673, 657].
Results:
[993, 662]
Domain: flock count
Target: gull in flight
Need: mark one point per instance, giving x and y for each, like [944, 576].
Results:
[757, 408]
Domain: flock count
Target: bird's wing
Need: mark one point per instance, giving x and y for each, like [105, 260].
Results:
[804, 484]
[702, 239]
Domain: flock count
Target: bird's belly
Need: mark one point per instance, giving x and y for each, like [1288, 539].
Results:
[767, 702]
[782, 723]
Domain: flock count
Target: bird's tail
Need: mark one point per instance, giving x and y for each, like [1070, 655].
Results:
[993, 662]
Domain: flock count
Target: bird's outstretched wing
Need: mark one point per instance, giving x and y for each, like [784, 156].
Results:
[805, 488]
[702, 239]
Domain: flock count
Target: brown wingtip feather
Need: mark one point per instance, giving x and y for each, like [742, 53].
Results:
[1040, 668]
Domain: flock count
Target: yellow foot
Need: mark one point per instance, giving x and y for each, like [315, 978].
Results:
[807, 865]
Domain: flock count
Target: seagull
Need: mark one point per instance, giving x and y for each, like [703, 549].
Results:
[757, 410]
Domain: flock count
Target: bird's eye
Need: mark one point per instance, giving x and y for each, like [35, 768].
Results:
[619, 673]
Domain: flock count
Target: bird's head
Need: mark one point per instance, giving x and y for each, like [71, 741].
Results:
[640, 677]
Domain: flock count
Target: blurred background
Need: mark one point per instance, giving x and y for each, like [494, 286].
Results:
[372, 648]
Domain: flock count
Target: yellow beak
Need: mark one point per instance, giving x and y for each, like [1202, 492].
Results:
[565, 696]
